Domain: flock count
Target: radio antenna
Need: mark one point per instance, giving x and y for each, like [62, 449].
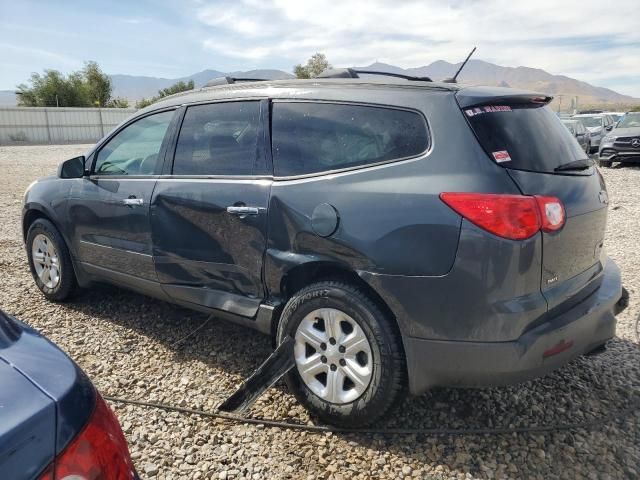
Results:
[453, 79]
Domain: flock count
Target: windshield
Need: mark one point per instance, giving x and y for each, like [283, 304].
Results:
[591, 121]
[524, 137]
[630, 120]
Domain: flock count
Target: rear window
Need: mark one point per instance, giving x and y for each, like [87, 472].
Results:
[312, 137]
[524, 137]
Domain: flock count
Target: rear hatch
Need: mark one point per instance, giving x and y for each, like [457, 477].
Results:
[523, 135]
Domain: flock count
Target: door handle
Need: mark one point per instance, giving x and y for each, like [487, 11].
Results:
[133, 201]
[237, 210]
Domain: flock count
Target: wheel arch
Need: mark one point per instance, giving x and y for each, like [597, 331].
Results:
[31, 214]
[298, 277]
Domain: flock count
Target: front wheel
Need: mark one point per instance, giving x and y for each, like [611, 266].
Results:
[350, 368]
[49, 261]
[605, 163]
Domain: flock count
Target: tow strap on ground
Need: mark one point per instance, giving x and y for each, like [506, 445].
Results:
[267, 374]
[539, 429]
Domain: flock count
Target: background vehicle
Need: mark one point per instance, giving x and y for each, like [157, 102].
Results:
[577, 129]
[623, 143]
[53, 423]
[598, 125]
[403, 232]
[616, 116]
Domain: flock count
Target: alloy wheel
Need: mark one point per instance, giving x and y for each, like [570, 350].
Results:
[333, 355]
[46, 261]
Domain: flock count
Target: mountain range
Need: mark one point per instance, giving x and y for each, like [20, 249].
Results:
[476, 72]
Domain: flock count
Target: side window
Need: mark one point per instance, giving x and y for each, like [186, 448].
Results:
[218, 139]
[312, 137]
[135, 149]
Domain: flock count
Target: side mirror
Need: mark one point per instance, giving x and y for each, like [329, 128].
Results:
[608, 128]
[72, 168]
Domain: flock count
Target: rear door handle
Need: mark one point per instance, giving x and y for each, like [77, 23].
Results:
[237, 210]
[133, 201]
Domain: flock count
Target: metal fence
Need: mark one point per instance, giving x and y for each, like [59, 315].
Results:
[34, 125]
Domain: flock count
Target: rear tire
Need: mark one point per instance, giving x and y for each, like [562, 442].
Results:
[50, 261]
[350, 366]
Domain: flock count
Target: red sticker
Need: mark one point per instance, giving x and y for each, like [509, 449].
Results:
[501, 156]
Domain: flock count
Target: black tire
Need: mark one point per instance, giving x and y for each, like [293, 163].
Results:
[67, 283]
[605, 163]
[388, 380]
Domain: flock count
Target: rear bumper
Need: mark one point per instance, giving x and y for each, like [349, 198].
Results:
[573, 333]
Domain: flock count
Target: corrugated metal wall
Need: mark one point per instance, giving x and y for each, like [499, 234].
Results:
[32, 125]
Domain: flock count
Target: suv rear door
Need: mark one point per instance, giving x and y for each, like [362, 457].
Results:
[209, 212]
[524, 136]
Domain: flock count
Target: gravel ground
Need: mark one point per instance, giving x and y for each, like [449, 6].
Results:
[130, 346]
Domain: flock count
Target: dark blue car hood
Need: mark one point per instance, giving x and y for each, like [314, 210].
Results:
[45, 400]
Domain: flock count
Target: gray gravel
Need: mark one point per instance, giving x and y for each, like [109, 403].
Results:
[127, 344]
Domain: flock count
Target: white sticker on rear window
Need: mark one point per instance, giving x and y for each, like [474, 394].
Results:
[488, 109]
[501, 156]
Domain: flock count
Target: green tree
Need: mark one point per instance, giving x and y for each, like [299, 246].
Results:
[89, 87]
[97, 84]
[178, 87]
[317, 64]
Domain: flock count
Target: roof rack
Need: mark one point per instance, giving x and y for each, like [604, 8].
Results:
[229, 80]
[353, 73]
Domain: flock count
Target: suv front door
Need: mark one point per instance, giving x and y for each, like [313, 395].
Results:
[209, 213]
[109, 210]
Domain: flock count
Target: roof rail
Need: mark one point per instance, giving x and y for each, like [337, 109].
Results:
[353, 73]
[229, 80]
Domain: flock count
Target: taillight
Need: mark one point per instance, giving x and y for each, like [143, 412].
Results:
[515, 217]
[98, 452]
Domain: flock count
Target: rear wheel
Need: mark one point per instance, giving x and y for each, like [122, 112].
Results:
[49, 261]
[350, 367]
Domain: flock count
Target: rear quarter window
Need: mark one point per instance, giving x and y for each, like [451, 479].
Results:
[310, 137]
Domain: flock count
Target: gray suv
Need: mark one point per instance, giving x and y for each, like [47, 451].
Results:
[405, 233]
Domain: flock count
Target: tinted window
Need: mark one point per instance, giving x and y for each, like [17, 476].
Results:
[524, 137]
[135, 149]
[318, 137]
[218, 139]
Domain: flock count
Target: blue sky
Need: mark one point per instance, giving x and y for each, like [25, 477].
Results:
[581, 39]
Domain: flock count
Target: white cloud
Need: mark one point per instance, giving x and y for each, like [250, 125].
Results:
[581, 39]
